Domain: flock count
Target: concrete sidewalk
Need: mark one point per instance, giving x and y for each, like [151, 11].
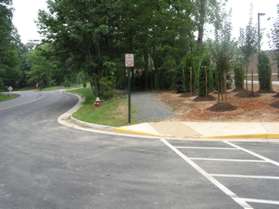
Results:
[223, 130]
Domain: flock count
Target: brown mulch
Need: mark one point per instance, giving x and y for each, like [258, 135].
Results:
[275, 104]
[222, 107]
[205, 99]
[186, 94]
[264, 108]
[247, 94]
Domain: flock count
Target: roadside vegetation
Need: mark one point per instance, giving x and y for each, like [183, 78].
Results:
[4, 97]
[113, 112]
[85, 42]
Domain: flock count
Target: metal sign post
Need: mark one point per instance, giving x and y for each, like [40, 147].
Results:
[10, 89]
[129, 63]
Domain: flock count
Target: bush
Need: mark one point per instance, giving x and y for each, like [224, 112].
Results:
[264, 71]
[106, 88]
[238, 76]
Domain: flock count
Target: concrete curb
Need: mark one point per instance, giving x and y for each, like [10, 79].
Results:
[249, 136]
[69, 121]
[142, 133]
[69, 115]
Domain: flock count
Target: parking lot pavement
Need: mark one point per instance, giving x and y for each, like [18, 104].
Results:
[247, 172]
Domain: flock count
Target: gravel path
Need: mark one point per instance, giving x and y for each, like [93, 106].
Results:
[149, 108]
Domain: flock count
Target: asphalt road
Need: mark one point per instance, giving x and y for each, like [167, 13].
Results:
[46, 166]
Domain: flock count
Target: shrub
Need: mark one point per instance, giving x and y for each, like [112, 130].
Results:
[264, 71]
[106, 88]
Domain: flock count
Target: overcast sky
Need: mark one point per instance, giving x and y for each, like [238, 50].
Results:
[26, 12]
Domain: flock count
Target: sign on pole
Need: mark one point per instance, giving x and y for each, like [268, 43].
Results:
[129, 63]
[10, 89]
[129, 60]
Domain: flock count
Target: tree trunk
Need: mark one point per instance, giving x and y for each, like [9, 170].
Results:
[246, 82]
[191, 80]
[206, 82]
[253, 83]
[202, 16]
[146, 70]
[95, 85]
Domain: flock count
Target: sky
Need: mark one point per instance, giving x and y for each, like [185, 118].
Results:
[26, 12]
[25, 15]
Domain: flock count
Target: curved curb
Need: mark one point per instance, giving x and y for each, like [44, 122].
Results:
[69, 121]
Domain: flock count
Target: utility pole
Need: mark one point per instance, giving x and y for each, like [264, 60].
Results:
[259, 30]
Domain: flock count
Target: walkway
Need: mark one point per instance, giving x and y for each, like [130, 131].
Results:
[149, 108]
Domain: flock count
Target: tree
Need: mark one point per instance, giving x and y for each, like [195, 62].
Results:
[202, 5]
[205, 76]
[223, 49]
[82, 34]
[275, 37]
[9, 60]
[92, 35]
[44, 70]
[238, 76]
[207, 11]
[264, 69]
[275, 30]
[248, 45]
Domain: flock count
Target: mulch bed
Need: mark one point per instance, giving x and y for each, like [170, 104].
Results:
[275, 104]
[247, 94]
[276, 95]
[222, 107]
[204, 99]
[187, 95]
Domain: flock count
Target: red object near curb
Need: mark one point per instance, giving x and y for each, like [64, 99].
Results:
[98, 102]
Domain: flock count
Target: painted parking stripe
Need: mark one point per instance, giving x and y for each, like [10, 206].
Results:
[245, 176]
[227, 160]
[209, 148]
[253, 153]
[271, 202]
[214, 181]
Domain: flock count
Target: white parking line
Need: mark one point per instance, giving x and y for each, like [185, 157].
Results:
[209, 148]
[272, 202]
[214, 181]
[227, 160]
[253, 153]
[245, 176]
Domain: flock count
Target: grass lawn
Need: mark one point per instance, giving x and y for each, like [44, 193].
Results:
[113, 112]
[6, 97]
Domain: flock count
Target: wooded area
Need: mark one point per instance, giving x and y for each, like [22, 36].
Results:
[85, 41]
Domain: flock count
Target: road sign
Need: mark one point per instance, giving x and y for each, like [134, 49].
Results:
[10, 89]
[129, 60]
[129, 63]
